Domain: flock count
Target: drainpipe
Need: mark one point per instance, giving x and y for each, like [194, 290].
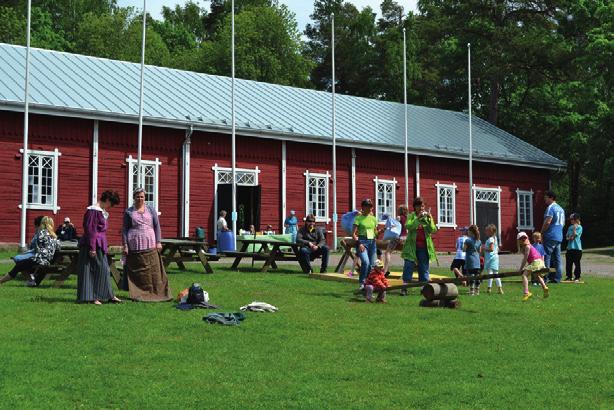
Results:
[185, 184]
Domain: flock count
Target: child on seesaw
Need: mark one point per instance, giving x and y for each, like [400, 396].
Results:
[376, 282]
[532, 262]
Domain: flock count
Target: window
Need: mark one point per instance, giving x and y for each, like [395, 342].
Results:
[149, 180]
[317, 195]
[446, 205]
[385, 197]
[525, 209]
[43, 180]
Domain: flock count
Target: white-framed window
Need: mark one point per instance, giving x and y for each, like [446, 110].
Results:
[446, 205]
[150, 173]
[43, 179]
[524, 200]
[316, 195]
[385, 197]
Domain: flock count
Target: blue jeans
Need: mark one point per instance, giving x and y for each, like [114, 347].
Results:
[306, 255]
[422, 255]
[367, 258]
[552, 259]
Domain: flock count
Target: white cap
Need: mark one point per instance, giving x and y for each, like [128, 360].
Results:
[521, 235]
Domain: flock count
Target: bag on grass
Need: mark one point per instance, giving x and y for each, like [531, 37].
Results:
[196, 295]
[393, 229]
[347, 221]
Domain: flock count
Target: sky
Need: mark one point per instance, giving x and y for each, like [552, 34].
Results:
[302, 8]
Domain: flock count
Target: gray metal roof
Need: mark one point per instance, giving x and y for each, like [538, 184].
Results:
[63, 83]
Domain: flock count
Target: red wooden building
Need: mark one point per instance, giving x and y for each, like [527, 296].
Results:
[83, 140]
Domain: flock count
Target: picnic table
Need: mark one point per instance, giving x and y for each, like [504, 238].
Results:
[349, 244]
[180, 250]
[269, 250]
[65, 263]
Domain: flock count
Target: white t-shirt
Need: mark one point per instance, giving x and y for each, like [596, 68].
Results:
[222, 225]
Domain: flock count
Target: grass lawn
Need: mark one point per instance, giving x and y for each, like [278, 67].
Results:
[323, 349]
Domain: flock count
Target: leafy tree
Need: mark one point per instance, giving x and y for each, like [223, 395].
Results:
[355, 57]
[268, 47]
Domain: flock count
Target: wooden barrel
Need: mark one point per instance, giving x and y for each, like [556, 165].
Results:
[440, 291]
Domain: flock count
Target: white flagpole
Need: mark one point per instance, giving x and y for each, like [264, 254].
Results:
[232, 108]
[140, 143]
[334, 131]
[26, 123]
[405, 115]
[471, 213]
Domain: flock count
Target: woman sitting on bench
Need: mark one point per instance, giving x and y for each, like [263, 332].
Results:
[45, 245]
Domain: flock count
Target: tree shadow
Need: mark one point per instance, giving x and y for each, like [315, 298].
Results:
[52, 299]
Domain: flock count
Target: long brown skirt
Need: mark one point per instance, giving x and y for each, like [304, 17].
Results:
[147, 280]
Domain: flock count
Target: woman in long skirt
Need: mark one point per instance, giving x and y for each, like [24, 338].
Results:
[144, 270]
[93, 283]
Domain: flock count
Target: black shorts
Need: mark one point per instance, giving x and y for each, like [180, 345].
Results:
[458, 264]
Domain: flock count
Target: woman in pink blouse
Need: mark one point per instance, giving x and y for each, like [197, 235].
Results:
[147, 280]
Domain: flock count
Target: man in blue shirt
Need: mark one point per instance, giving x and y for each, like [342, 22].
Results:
[552, 231]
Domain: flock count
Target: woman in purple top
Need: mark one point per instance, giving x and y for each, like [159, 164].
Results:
[93, 284]
[147, 280]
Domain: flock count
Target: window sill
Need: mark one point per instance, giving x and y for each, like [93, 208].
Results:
[525, 228]
[41, 207]
[442, 225]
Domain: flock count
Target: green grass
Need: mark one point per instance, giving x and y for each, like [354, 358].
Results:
[323, 349]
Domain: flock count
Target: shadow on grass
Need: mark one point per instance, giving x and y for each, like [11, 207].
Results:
[53, 299]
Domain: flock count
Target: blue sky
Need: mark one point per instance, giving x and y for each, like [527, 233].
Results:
[302, 8]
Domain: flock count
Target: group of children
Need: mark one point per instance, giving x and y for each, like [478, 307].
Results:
[470, 252]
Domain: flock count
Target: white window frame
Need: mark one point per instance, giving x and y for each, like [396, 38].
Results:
[218, 173]
[452, 188]
[520, 194]
[385, 182]
[132, 162]
[326, 178]
[55, 156]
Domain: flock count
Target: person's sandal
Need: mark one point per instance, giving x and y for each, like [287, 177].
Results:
[116, 300]
[97, 302]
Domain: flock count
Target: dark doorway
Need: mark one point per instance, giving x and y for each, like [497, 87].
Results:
[486, 213]
[248, 205]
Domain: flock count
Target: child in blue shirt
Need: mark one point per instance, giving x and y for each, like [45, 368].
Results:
[472, 258]
[458, 264]
[574, 247]
[537, 243]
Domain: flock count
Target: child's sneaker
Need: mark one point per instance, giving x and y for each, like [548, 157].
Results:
[368, 300]
[477, 291]
[404, 292]
[489, 290]
[471, 292]
[527, 296]
[500, 290]
[350, 274]
[546, 293]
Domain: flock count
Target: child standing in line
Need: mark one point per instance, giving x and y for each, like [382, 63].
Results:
[574, 247]
[458, 264]
[376, 282]
[532, 261]
[491, 257]
[472, 258]
[537, 244]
